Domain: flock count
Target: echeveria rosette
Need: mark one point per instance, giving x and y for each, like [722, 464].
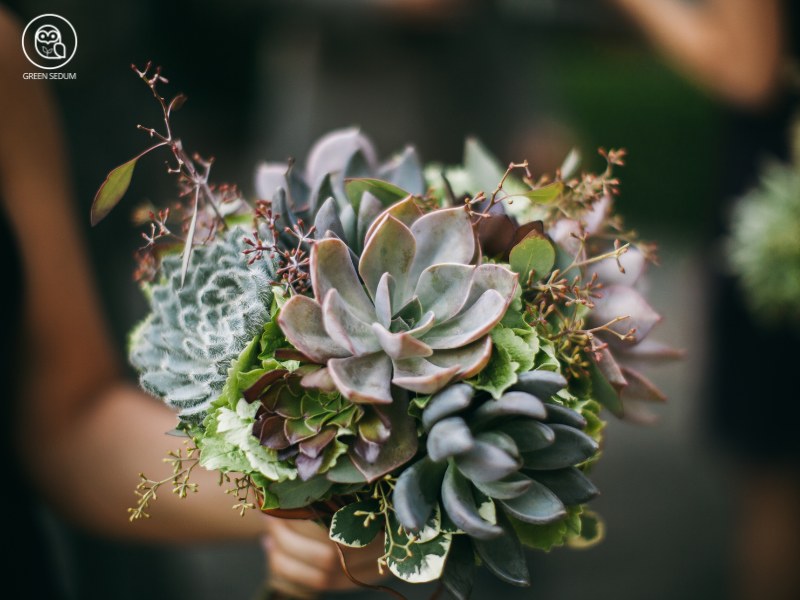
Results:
[184, 347]
[418, 316]
[318, 193]
[498, 468]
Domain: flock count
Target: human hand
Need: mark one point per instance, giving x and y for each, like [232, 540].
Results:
[303, 562]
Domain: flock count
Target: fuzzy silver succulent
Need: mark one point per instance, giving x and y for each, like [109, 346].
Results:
[183, 349]
[417, 314]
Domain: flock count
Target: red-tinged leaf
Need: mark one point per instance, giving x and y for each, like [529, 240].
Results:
[112, 190]
[267, 379]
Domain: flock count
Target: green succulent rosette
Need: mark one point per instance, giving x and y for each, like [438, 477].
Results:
[764, 245]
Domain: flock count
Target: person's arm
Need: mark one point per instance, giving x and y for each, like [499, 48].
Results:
[733, 47]
[83, 433]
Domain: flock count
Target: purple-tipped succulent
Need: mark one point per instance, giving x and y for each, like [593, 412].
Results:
[416, 314]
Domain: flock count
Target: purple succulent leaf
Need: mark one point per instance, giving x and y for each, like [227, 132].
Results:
[390, 249]
[366, 450]
[406, 211]
[327, 221]
[369, 209]
[315, 446]
[298, 429]
[486, 462]
[651, 350]
[334, 150]
[623, 301]
[383, 300]
[640, 387]
[596, 216]
[496, 232]
[422, 376]
[564, 233]
[443, 236]
[608, 271]
[471, 324]
[270, 177]
[400, 345]
[332, 268]
[307, 466]
[492, 277]
[399, 448]
[611, 370]
[443, 289]
[319, 379]
[363, 379]
[300, 320]
[405, 171]
[374, 427]
[470, 359]
[345, 328]
[269, 430]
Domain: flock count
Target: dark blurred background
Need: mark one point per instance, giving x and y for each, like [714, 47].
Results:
[531, 78]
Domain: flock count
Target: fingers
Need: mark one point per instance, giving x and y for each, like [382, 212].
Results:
[300, 554]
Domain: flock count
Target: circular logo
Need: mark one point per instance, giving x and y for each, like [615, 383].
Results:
[49, 41]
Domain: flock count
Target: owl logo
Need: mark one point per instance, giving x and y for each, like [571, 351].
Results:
[48, 44]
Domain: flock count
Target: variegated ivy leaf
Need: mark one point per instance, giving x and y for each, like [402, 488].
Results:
[416, 561]
[357, 524]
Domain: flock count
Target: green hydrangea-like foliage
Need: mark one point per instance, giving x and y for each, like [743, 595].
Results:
[184, 348]
[764, 245]
[417, 314]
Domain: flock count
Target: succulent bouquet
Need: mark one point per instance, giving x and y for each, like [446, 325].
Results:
[418, 354]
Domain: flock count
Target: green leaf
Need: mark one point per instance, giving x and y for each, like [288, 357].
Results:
[592, 531]
[543, 195]
[604, 392]
[498, 375]
[357, 524]
[344, 471]
[503, 555]
[384, 191]
[401, 445]
[533, 255]
[415, 562]
[521, 348]
[297, 493]
[459, 571]
[542, 537]
[483, 168]
[112, 190]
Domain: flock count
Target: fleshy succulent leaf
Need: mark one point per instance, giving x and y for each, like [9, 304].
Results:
[363, 378]
[486, 462]
[449, 437]
[301, 321]
[451, 400]
[537, 505]
[462, 509]
[542, 384]
[570, 485]
[571, 447]
[503, 555]
[390, 249]
[416, 493]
